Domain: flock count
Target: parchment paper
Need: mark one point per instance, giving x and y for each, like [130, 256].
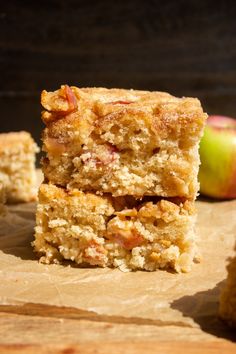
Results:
[162, 298]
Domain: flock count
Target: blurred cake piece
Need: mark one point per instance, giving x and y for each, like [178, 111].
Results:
[2, 198]
[228, 296]
[123, 142]
[117, 232]
[17, 166]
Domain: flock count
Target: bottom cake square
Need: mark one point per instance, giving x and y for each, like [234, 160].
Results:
[118, 232]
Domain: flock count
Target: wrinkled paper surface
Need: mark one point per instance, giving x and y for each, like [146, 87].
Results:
[156, 297]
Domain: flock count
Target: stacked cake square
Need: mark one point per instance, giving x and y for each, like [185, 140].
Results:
[120, 178]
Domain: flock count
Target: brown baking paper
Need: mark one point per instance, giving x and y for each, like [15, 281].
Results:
[186, 301]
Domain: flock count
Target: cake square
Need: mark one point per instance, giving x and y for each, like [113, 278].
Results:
[122, 142]
[17, 166]
[116, 232]
[228, 295]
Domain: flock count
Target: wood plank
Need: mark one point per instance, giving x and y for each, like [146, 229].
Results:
[122, 348]
[67, 333]
[184, 48]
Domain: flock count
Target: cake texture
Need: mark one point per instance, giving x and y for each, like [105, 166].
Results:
[228, 296]
[118, 232]
[17, 166]
[122, 142]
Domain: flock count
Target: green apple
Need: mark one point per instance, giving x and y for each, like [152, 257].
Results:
[217, 174]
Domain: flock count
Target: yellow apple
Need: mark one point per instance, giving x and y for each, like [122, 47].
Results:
[217, 174]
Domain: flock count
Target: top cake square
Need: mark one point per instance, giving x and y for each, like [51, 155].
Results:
[123, 142]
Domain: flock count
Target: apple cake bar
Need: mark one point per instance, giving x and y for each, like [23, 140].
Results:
[123, 232]
[17, 166]
[122, 142]
[228, 296]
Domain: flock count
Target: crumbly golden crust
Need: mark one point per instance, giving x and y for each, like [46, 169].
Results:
[228, 296]
[17, 166]
[117, 232]
[123, 142]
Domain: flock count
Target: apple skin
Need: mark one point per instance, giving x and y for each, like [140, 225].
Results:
[217, 174]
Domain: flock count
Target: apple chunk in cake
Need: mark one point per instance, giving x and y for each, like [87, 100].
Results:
[17, 166]
[122, 142]
[228, 296]
[116, 232]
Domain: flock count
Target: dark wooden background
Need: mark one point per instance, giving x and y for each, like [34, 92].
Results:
[183, 47]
